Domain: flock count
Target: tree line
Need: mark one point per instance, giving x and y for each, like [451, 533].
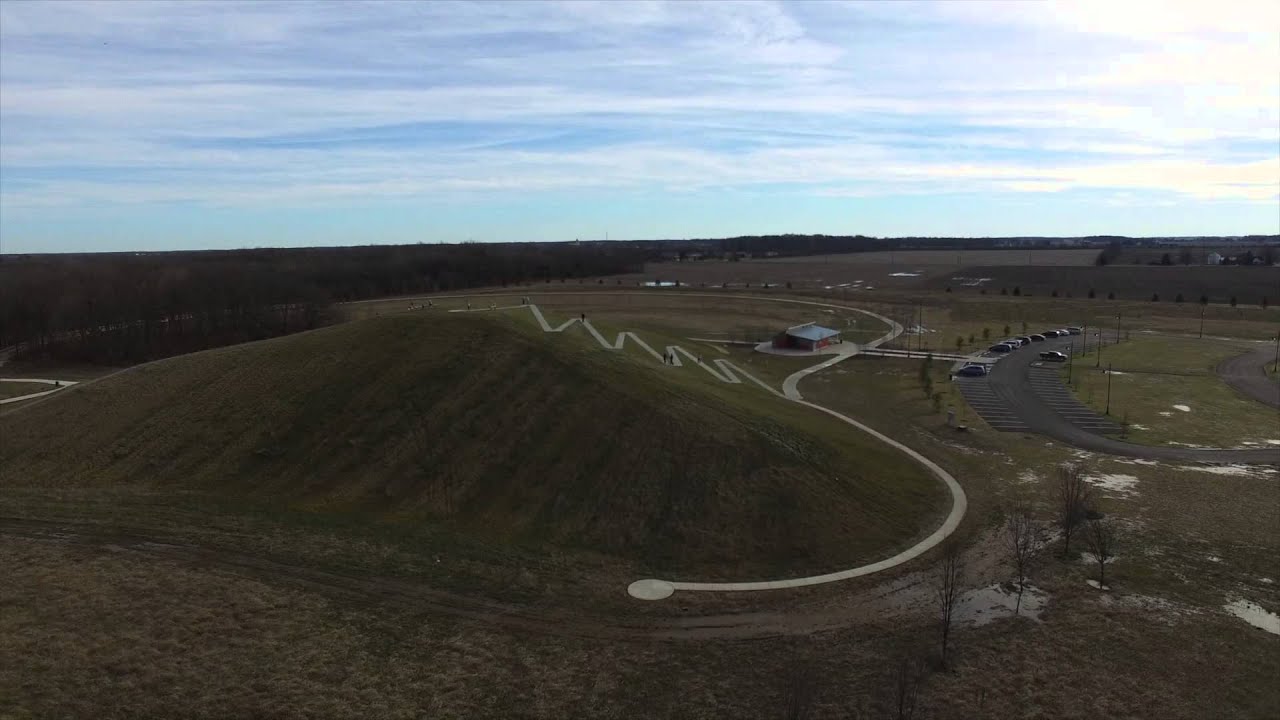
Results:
[132, 307]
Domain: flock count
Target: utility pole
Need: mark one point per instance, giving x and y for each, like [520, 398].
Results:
[1071, 359]
[1117, 327]
[1108, 410]
[1202, 320]
[1098, 362]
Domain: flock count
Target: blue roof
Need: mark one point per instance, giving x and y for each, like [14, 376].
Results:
[812, 332]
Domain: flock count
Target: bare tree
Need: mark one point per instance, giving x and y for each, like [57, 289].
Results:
[1022, 539]
[908, 676]
[1074, 495]
[1100, 536]
[800, 693]
[947, 591]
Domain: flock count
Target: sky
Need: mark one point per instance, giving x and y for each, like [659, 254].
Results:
[157, 125]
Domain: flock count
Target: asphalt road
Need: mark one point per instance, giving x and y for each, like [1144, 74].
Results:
[1245, 373]
[1011, 380]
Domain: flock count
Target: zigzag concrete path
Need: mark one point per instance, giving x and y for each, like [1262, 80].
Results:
[727, 372]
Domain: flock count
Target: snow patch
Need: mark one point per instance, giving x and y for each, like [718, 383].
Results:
[1028, 477]
[1272, 442]
[983, 605]
[1165, 413]
[1255, 615]
[1114, 372]
[1137, 461]
[904, 274]
[1231, 470]
[1096, 586]
[1183, 408]
[1089, 558]
[1119, 484]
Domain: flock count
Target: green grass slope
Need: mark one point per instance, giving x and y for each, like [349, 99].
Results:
[485, 428]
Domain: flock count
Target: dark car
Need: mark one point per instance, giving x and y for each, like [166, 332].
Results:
[972, 371]
[1036, 338]
[1000, 348]
[1050, 333]
[1053, 356]
[1026, 340]
[1075, 330]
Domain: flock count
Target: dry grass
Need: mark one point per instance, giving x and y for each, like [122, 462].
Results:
[539, 447]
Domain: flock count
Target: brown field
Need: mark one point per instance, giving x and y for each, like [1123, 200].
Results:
[1249, 285]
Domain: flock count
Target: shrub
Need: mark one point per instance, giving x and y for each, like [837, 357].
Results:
[1178, 299]
[1091, 293]
[1233, 301]
[1155, 297]
[1111, 296]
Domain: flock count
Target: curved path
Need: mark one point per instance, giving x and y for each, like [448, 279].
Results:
[725, 371]
[1011, 382]
[1246, 373]
[59, 385]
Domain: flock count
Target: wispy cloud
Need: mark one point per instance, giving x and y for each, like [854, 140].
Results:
[240, 104]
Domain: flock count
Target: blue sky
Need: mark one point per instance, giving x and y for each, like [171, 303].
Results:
[183, 125]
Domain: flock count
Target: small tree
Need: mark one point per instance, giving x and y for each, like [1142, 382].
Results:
[971, 338]
[986, 333]
[1178, 299]
[1022, 540]
[908, 676]
[1111, 296]
[1054, 293]
[947, 592]
[1091, 293]
[1024, 327]
[1233, 301]
[1017, 290]
[1006, 329]
[1074, 495]
[937, 402]
[1100, 536]
[1155, 297]
[1204, 299]
[959, 342]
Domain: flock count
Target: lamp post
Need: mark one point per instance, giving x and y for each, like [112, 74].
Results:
[1117, 327]
[1202, 320]
[1108, 410]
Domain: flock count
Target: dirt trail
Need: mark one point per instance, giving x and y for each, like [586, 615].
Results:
[902, 595]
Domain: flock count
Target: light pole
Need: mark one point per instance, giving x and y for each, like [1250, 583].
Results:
[1117, 327]
[1071, 359]
[1202, 320]
[1098, 363]
[1108, 410]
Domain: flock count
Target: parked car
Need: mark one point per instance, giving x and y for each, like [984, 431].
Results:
[972, 371]
[1015, 342]
[1053, 356]
[1063, 332]
[1075, 330]
[1050, 333]
[1000, 348]
[1036, 338]
[1026, 340]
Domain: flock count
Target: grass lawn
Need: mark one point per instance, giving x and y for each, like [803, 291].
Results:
[18, 389]
[1167, 391]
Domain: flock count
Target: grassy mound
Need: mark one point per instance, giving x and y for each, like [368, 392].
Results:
[491, 430]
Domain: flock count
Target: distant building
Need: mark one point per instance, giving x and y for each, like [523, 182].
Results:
[1213, 259]
[806, 337]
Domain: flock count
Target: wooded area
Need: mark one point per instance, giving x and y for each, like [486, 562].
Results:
[132, 307]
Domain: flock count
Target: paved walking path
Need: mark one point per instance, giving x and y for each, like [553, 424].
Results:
[62, 384]
[725, 371]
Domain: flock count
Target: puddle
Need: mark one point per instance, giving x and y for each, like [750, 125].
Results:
[1255, 615]
[1231, 470]
[984, 605]
[1183, 408]
[1119, 484]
